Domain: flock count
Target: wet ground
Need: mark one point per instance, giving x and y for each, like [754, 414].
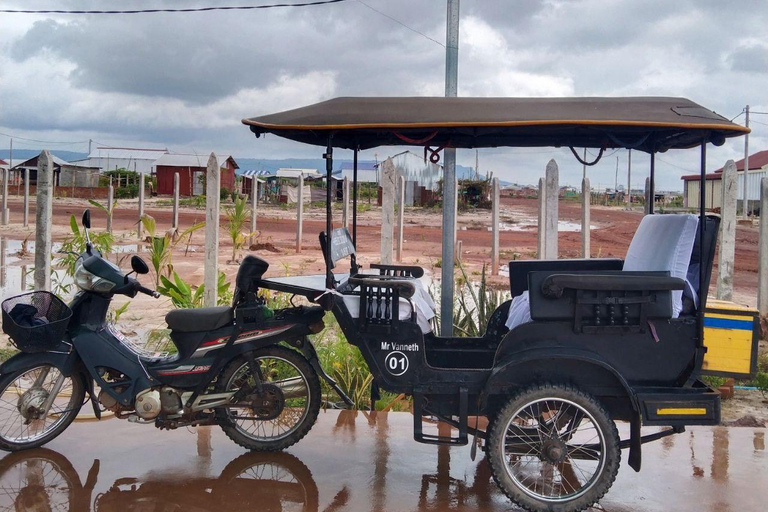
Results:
[349, 462]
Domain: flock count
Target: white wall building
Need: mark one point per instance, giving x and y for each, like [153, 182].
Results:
[133, 159]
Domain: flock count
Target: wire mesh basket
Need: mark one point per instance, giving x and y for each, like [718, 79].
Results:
[35, 322]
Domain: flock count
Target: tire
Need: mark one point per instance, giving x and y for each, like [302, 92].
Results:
[11, 395]
[303, 409]
[542, 425]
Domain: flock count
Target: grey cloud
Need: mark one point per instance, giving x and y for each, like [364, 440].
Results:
[749, 59]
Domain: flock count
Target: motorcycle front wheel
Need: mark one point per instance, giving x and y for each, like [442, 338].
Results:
[280, 413]
[24, 397]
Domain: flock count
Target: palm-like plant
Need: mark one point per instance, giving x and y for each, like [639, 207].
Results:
[237, 216]
[161, 246]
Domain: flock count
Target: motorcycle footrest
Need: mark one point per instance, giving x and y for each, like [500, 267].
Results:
[418, 414]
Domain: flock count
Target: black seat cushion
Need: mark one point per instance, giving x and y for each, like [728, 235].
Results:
[201, 319]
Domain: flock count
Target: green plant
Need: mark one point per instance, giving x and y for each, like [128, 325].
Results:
[127, 192]
[713, 381]
[185, 296]
[113, 316]
[105, 208]
[224, 193]
[161, 247]
[74, 245]
[237, 216]
[761, 382]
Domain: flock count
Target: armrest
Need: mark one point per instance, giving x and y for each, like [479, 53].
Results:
[404, 288]
[405, 270]
[519, 269]
[553, 286]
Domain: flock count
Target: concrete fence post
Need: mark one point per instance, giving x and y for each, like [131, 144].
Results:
[388, 177]
[43, 221]
[456, 211]
[6, 176]
[762, 259]
[176, 201]
[725, 260]
[300, 214]
[254, 206]
[212, 205]
[110, 202]
[400, 214]
[26, 197]
[553, 195]
[345, 203]
[495, 205]
[586, 196]
[140, 230]
[542, 224]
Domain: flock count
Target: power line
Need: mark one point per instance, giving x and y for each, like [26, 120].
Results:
[400, 23]
[183, 10]
[43, 141]
[758, 122]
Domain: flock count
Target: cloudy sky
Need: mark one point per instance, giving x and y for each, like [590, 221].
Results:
[184, 81]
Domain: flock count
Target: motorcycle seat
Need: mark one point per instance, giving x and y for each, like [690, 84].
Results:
[200, 319]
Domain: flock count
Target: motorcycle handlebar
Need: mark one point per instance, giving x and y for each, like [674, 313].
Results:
[147, 291]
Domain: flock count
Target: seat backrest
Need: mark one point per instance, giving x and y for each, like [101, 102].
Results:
[664, 243]
[693, 299]
[251, 268]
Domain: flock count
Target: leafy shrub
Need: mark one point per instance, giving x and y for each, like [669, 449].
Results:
[224, 193]
[129, 192]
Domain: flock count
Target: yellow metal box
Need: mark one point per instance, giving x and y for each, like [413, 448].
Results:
[731, 335]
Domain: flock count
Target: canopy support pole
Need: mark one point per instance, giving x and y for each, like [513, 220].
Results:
[652, 187]
[702, 226]
[328, 156]
[353, 259]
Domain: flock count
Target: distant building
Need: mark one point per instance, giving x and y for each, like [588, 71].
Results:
[31, 164]
[78, 175]
[367, 172]
[133, 159]
[422, 177]
[713, 192]
[191, 169]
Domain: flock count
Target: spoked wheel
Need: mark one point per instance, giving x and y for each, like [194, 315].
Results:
[553, 448]
[37, 480]
[279, 414]
[268, 481]
[24, 397]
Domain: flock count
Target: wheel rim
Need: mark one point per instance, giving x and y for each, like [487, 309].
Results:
[27, 393]
[553, 449]
[37, 483]
[285, 375]
[271, 477]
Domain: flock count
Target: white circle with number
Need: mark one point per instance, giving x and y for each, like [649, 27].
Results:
[396, 363]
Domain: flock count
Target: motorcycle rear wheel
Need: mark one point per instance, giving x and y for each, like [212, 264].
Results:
[290, 385]
[22, 393]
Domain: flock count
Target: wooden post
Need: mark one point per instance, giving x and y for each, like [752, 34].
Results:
[176, 201]
[725, 260]
[495, 205]
[140, 230]
[553, 195]
[212, 204]
[345, 203]
[388, 177]
[43, 221]
[300, 213]
[400, 213]
[762, 259]
[254, 204]
[586, 196]
[542, 226]
[26, 197]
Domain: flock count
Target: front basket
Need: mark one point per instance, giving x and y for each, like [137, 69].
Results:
[35, 322]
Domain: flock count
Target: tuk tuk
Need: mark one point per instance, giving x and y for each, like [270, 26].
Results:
[583, 344]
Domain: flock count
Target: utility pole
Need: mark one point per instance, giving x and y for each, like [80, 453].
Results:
[616, 185]
[90, 141]
[449, 174]
[629, 179]
[744, 209]
[583, 165]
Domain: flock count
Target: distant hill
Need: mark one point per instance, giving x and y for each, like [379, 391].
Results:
[24, 154]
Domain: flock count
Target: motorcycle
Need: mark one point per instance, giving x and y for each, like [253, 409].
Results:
[247, 368]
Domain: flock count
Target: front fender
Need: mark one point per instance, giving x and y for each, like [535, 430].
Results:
[68, 364]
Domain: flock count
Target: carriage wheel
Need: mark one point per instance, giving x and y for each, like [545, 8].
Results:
[553, 448]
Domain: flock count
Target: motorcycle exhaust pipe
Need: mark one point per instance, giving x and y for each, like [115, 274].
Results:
[294, 387]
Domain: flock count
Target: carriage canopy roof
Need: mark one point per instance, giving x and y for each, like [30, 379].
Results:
[643, 123]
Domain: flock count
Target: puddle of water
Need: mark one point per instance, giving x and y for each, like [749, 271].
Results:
[562, 226]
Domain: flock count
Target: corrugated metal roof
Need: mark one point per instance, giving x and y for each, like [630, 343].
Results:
[131, 153]
[361, 166]
[255, 172]
[187, 160]
[294, 173]
[756, 161]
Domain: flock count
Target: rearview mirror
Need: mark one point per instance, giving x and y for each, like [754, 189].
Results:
[87, 219]
[138, 265]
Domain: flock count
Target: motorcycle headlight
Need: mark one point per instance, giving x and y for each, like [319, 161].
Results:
[90, 282]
